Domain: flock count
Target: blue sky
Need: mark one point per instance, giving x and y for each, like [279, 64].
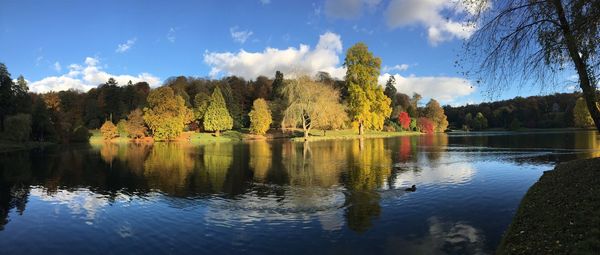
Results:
[78, 44]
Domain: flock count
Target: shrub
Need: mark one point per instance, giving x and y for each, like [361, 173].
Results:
[122, 128]
[135, 126]
[260, 117]
[109, 130]
[425, 125]
[80, 135]
[404, 120]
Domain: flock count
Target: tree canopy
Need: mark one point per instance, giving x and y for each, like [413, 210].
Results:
[367, 104]
[166, 114]
[260, 117]
[217, 116]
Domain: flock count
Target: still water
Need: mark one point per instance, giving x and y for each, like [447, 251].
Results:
[280, 197]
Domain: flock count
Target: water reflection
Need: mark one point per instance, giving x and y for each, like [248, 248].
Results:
[345, 186]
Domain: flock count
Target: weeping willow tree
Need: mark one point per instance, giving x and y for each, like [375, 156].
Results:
[536, 41]
[311, 105]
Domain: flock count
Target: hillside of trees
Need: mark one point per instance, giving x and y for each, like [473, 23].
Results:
[215, 105]
[559, 110]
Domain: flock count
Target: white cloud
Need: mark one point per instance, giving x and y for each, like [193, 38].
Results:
[399, 68]
[431, 14]
[348, 9]
[239, 36]
[126, 46]
[57, 66]
[442, 88]
[171, 35]
[86, 77]
[324, 57]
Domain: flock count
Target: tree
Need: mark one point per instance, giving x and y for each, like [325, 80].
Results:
[277, 85]
[217, 116]
[481, 121]
[166, 114]
[390, 89]
[425, 125]
[6, 94]
[413, 124]
[536, 41]
[581, 114]
[18, 127]
[435, 113]
[41, 127]
[201, 101]
[109, 130]
[367, 104]
[312, 105]
[135, 124]
[260, 117]
[404, 120]
[121, 127]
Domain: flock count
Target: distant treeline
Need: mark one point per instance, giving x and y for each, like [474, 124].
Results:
[550, 111]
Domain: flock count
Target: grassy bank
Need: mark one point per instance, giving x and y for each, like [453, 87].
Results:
[239, 135]
[560, 214]
[316, 135]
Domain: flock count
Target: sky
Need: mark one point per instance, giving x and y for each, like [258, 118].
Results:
[67, 44]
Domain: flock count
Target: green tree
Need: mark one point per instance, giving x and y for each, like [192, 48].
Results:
[17, 127]
[481, 121]
[122, 128]
[390, 90]
[109, 130]
[6, 94]
[435, 113]
[217, 116]
[135, 124]
[277, 85]
[581, 114]
[260, 117]
[201, 101]
[41, 127]
[367, 104]
[166, 114]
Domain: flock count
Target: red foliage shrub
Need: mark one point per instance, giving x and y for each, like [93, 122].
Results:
[425, 125]
[404, 120]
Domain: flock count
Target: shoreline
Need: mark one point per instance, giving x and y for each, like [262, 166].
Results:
[559, 214]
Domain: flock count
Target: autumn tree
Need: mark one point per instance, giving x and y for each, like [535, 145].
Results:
[135, 124]
[434, 112]
[217, 116]
[536, 41]
[425, 125]
[109, 130]
[166, 114]
[312, 105]
[260, 117]
[404, 120]
[367, 104]
[581, 114]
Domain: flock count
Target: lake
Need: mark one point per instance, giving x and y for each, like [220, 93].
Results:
[321, 197]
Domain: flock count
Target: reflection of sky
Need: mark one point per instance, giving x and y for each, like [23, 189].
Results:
[442, 173]
[297, 205]
[80, 202]
[443, 237]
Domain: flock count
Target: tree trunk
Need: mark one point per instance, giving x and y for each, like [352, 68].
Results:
[361, 128]
[217, 133]
[589, 90]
